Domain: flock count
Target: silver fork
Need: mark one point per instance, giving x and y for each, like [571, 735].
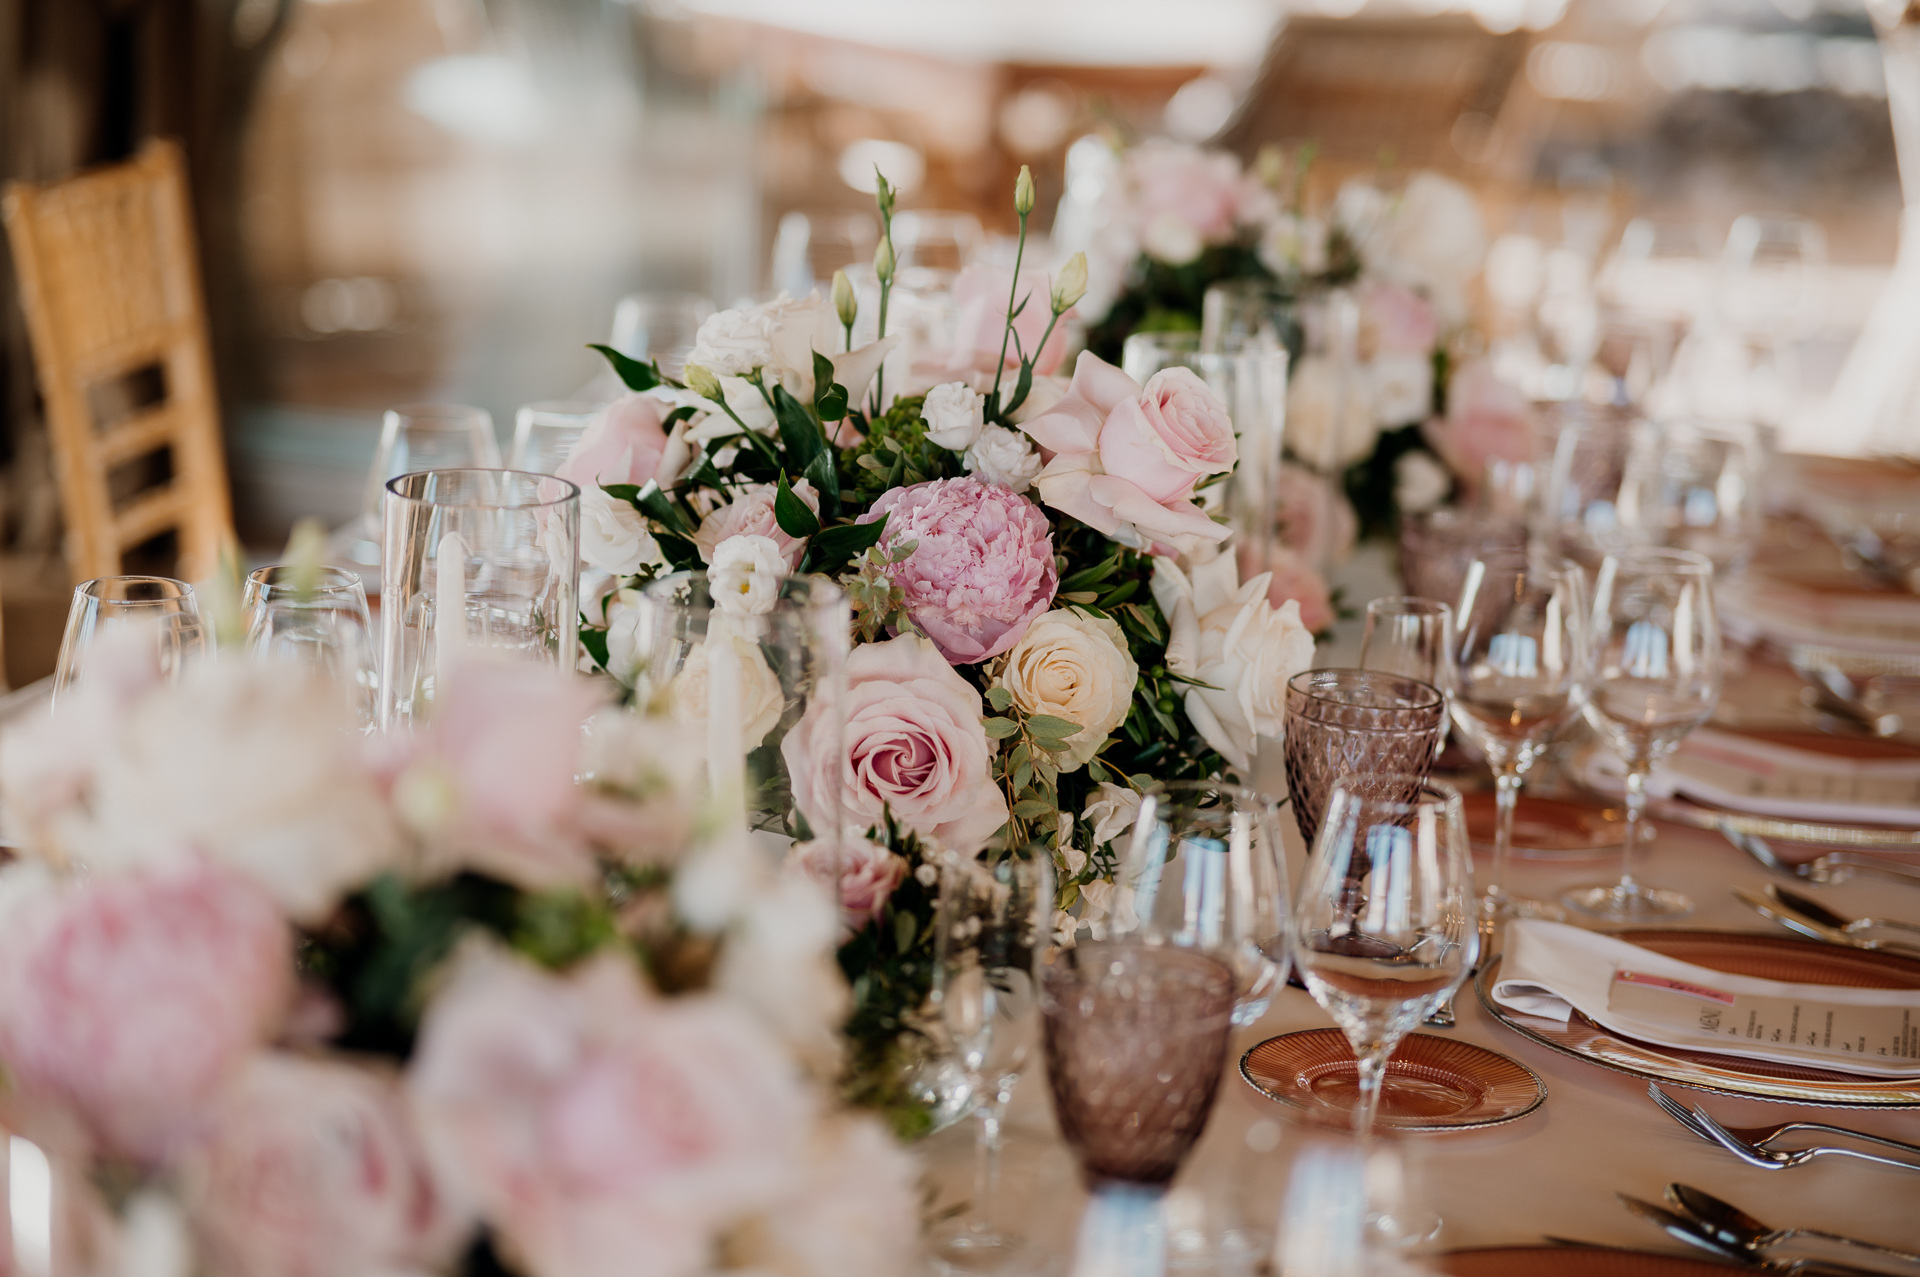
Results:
[1758, 1136]
[1835, 866]
[1780, 1159]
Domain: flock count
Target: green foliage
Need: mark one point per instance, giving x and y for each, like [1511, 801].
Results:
[878, 604]
[635, 374]
[895, 453]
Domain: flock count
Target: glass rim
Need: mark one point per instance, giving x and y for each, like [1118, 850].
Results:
[1690, 561]
[558, 408]
[1174, 339]
[332, 580]
[1409, 605]
[1259, 799]
[821, 591]
[572, 494]
[1445, 791]
[86, 589]
[438, 414]
[1306, 688]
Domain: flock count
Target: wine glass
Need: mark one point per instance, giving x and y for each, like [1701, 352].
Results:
[166, 608]
[659, 328]
[1519, 665]
[1655, 676]
[1696, 485]
[1579, 516]
[1437, 545]
[544, 433]
[1383, 932]
[415, 437]
[991, 924]
[1203, 870]
[1409, 636]
[323, 622]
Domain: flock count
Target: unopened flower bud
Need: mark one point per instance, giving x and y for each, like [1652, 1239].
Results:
[1023, 192]
[845, 304]
[1070, 285]
[883, 259]
[1270, 165]
[702, 382]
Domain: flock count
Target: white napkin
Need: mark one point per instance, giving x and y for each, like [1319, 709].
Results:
[1739, 773]
[1550, 970]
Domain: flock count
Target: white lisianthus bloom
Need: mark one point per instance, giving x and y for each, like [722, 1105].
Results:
[744, 574]
[1076, 667]
[796, 328]
[1330, 421]
[1170, 238]
[733, 342]
[1419, 482]
[1112, 812]
[1004, 457]
[625, 661]
[613, 535]
[1236, 643]
[954, 415]
[761, 697]
[1400, 388]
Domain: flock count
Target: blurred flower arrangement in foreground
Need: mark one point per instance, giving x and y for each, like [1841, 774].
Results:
[279, 999]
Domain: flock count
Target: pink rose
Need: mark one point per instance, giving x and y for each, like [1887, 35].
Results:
[1126, 457]
[981, 294]
[1396, 320]
[1313, 518]
[601, 1131]
[983, 567]
[133, 998]
[311, 1170]
[1201, 188]
[1486, 419]
[490, 783]
[623, 445]
[750, 513]
[912, 742]
[867, 874]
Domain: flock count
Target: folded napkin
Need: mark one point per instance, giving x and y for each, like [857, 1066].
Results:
[1740, 773]
[1551, 970]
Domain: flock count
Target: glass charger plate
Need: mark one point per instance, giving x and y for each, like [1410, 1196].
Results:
[1570, 1261]
[1432, 1083]
[1767, 957]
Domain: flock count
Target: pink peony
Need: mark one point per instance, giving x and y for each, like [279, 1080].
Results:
[310, 1170]
[623, 445]
[981, 294]
[1397, 320]
[1122, 456]
[750, 513]
[1293, 578]
[602, 1132]
[1486, 419]
[1312, 517]
[983, 569]
[912, 742]
[133, 998]
[867, 874]
[1201, 188]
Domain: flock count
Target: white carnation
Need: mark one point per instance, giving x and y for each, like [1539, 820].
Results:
[614, 535]
[954, 415]
[625, 655]
[744, 574]
[733, 343]
[1004, 457]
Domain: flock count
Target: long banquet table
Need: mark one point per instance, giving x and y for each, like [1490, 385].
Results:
[1554, 1171]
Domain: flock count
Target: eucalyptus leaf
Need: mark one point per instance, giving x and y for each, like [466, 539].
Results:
[1000, 728]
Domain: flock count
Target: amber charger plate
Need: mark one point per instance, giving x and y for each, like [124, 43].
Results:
[1432, 1084]
[1547, 828]
[1765, 956]
[1570, 1261]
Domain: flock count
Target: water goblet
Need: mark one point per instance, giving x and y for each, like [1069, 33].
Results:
[1579, 513]
[426, 436]
[167, 608]
[991, 924]
[1203, 870]
[1655, 670]
[1341, 720]
[1436, 547]
[323, 622]
[1696, 485]
[1518, 665]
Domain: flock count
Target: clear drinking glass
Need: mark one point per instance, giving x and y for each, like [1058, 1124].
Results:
[1383, 932]
[427, 436]
[1518, 665]
[1341, 721]
[110, 604]
[1204, 870]
[659, 327]
[1696, 485]
[544, 433]
[1655, 677]
[322, 623]
[499, 550]
[1144, 354]
[991, 926]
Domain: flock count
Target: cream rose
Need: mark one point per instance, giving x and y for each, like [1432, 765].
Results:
[1230, 638]
[1077, 667]
[761, 698]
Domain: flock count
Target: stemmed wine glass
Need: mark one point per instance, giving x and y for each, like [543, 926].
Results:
[990, 929]
[1655, 677]
[1203, 871]
[167, 608]
[1410, 636]
[1519, 665]
[1383, 932]
[1696, 485]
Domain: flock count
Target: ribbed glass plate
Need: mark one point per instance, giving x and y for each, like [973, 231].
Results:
[1432, 1083]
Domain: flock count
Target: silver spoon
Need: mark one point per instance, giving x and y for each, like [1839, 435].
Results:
[1730, 1224]
[1808, 907]
[1771, 906]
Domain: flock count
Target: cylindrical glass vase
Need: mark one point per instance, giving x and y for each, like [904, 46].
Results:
[499, 548]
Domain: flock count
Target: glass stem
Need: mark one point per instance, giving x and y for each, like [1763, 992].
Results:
[1636, 804]
[986, 1164]
[1506, 783]
[1372, 1070]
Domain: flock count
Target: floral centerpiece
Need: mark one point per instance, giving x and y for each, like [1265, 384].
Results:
[1176, 220]
[277, 999]
[1045, 617]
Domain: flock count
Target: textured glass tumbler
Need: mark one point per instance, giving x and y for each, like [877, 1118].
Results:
[1341, 721]
[499, 550]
